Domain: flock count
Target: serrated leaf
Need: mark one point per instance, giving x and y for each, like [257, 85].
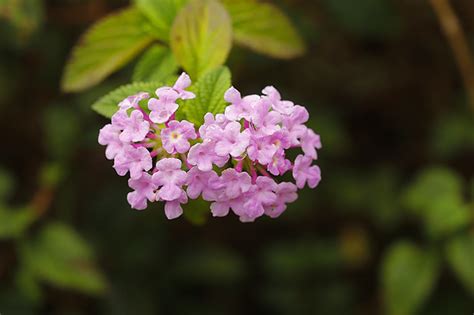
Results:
[108, 104]
[156, 65]
[408, 277]
[13, 222]
[105, 47]
[62, 258]
[460, 253]
[209, 90]
[264, 28]
[201, 36]
[161, 14]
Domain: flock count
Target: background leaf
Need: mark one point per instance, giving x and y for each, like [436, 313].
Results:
[264, 28]
[209, 91]
[61, 257]
[104, 48]
[460, 253]
[161, 14]
[408, 276]
[13, 222]
[108, 104]
[201, 36]
[156, 65]
[436, 196]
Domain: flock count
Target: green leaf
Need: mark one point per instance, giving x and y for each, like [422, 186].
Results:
[436, 196]
[13, 222]
[156, 65]
[209, 90]
[264, 28]
[62, 258]
[408, 277]
[108, 104]
[104, 48]
[460, 253]
[161, 14]
[201, 36]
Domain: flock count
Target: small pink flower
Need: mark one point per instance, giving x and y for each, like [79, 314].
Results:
[163, 108]
[144, 189]
[173, 208]
[232, 141]
[176, 137]
[203, 156]
[241, 107]
[198, 183]
[283, 107]
[132, 101]
[181, 84]
[135, 129]
[232, 183]
[133, 160]
[266, 121]
[279, 164]
[303, 172]
[310, 141]
[109, 136]
[286, 193]
[170, 177]
[261, 195]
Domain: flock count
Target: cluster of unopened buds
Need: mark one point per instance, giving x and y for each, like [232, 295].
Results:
[235, 160]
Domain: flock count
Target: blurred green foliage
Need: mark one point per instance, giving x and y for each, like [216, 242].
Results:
[388, 231]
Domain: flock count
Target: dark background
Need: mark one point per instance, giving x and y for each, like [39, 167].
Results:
[384, 92]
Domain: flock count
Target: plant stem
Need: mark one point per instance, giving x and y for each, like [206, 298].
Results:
[457, 40]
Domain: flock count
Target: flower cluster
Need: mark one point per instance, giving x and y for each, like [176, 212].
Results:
[235, 160]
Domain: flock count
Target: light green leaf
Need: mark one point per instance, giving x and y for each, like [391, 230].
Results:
[156, 65]
[264, 28]
[460, 252]
[161, 14]
[108, 104]
[13, 222]
[62, 258]
[209, 90]
[201, 36]
[104, 48]
[408, 277]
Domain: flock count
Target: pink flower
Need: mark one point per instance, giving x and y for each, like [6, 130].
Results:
[109, 136]
[132, 101]
[163, 108]
[144, 190]
[241, 107]
[266, 121]
[283, 107]
[232, 183]
[232, 141]
[310, 141]
[212, 127]
[203, 156]
[135, 129]
[120, 119]
[198, 183]
[133, 160]
[303, 172]
[286, 193]
[170, 178]
[279, 165]
[261, 195]
[176, 137]
[181, 84]
[173, 208]
[261, 149]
